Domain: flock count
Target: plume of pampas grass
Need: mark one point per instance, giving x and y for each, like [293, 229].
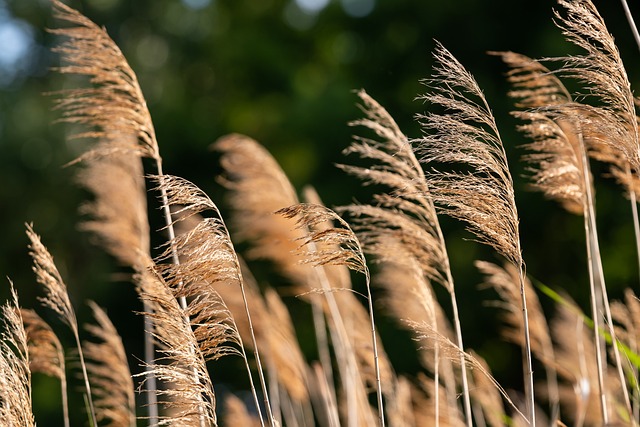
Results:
[208, 257]
[610, 129]
[109, 372]
[257, 188]
[189, 394]
[466, 135]
[560, 164]
[57, 299]
[114, 104]
[405, 212]
[15, 376]
[111, 110]
[46, 354]
[336, 246]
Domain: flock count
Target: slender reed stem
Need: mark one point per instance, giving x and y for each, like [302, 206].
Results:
[375, 353]
[593, 237]
[632, 23]
[343, 349]
[149, 355]
[322, 342]
[465, 381]
[65, 399]
[454, 304]
[594, 306]
[531, 409]
[255, 349]
[85, 376]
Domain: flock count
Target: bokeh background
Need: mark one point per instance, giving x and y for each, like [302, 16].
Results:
[283, 72]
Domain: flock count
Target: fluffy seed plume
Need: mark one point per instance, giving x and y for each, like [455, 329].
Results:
[406, 211]
[46, 354]
[207, 256]
[603, 73]
[404, 215]
[57, 299]
[477, 186]
[333, 246]
[181, 365]
[15, 375]
[117, 215]
[467, 137]
[557, 153]
[259, 187]
[109, 372]
[114, 104]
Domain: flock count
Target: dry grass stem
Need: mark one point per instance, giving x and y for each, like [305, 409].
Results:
[505, 282]
[108, 369]
[576, 363]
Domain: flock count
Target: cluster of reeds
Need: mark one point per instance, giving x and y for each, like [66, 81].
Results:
[200, 301]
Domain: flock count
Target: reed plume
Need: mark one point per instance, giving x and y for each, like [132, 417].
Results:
[611, 127]
[114, 104]
[46, 354]
[257, 188]
[608, 132]
[236, 413]
[108, 369]
[57, 299]
[405, 213]
[208, 257]
[467, 136]
[15, 375]
[180, 364]
[336, 246]
[111, 111]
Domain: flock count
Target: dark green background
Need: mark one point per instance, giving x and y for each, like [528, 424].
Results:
[267, 69]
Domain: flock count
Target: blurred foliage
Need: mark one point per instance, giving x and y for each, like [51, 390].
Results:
[283, 72]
